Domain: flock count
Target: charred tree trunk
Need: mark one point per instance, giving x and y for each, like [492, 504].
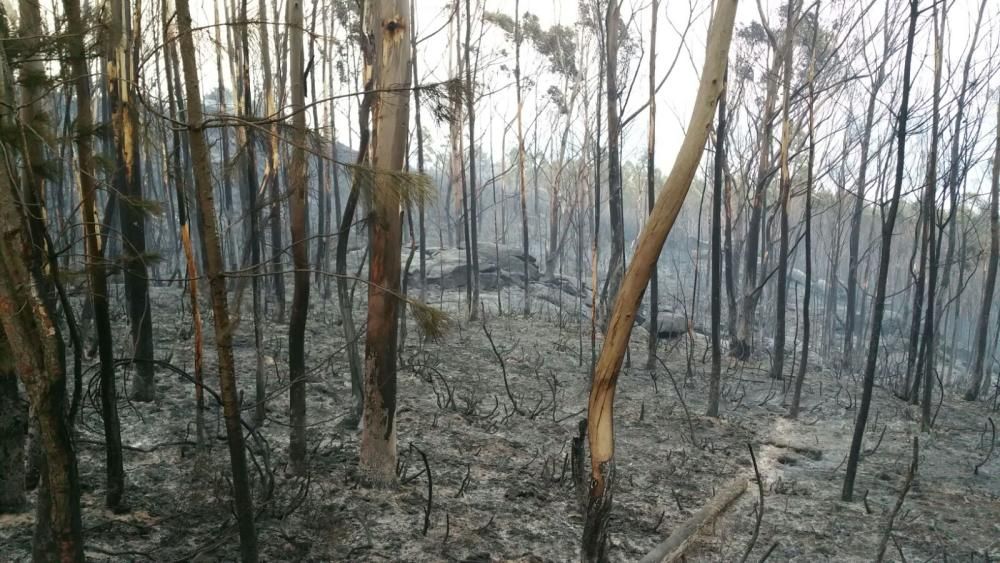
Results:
[793, 410]
[976, 385]
[928, 341]
[250, 192]
[122, 69]
[96, 271]
[243, 501]
[299, 220]
[742, 339]
[616, 261]
[781, 301]
[521, 178]
[885, 256]
[272, 164]
[851, 318]
[343, 236]
[654, 279]
[470, 101]
[718, 177]
[422, 233]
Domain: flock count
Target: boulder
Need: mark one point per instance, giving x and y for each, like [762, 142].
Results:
[498, 267]
[669, 324]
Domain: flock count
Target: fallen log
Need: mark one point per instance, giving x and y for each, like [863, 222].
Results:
[672, 548]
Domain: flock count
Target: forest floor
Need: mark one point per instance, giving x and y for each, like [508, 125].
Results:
[502, 485]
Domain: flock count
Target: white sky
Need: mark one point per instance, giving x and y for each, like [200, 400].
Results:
[675, 98]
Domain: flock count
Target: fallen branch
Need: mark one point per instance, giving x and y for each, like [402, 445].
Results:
[760, 505]
[674, 547]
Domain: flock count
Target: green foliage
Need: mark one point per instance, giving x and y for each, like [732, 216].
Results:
[373, 184]
[557, 43]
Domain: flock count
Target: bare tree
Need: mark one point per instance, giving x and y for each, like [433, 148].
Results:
[96, 271]
[978, 383]
[885, 255]
[214, 269]
[654, 279]
[785, 188]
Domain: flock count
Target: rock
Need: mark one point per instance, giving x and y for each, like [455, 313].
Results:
[669, 324]
[797, 276]
[498, 267]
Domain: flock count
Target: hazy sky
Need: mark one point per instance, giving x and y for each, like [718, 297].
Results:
[674, 101]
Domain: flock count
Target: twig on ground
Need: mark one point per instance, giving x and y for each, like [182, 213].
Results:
[760, 506]
[899, 502]
[993, 442]
[430, 489]
[503, 365]
[769, 551]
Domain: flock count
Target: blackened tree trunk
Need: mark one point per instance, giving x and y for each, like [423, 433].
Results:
[928, 340]
[250, 193]
[976, 385]
[785, 183]
[183, 220]
[387, 25]
[718, 174]
[272, 164]
[470, 103]
[885, 256]
[343, 236]
[122, 70]
[654, 290]
[422, 233]
[742, 339]
[298, 212]
[322, 184]
[521, 178]
[851, 315]
[793, 410]
[96, 271]
[243, 501]
[616, 261]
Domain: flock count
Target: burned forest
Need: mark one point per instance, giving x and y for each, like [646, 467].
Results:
[498, 280]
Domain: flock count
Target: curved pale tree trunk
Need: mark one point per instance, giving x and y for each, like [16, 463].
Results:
[600, 417]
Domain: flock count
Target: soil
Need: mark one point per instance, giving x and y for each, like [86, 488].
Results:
[502, 483]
